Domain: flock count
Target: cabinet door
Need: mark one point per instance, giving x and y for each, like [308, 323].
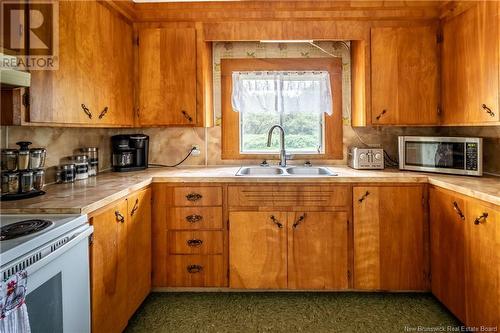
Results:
[447, 225]
[258, 250]
[389, 238]
[482, 265]
[56, 96]
[109, 262]
[139, 248]
[401, 57]
[317, 250]
[167, 76]
[470, 66]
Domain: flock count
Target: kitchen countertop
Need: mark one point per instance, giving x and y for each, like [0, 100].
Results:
[86, 196]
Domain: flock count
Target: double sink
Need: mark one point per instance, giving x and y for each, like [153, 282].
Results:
[297, 171]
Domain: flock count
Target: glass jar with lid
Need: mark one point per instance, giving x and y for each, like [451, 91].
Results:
[25, 181]
[9, 159]
[10, 182]
[23, 158]
[37, 158]
[81, 167]
[66, 173]
[38, 179]
[92, 154]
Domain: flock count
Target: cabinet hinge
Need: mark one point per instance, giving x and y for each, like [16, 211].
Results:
[348, 275]
[26, 99]
[91, 239]
[439, 38]
[227, 274]
[227, 224]
[137, 40]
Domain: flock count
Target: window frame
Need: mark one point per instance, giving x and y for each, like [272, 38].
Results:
[230, 122]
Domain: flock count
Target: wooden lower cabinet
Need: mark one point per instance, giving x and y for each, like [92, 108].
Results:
[258, 250]
[294, 250]
[390, 238]
[465, 256]
[447, 244]
[482, 264]
[120, 261]
[317, 250]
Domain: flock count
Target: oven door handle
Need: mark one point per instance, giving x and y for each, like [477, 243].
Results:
[78, 235]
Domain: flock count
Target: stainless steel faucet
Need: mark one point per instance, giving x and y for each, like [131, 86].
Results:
[282, 143]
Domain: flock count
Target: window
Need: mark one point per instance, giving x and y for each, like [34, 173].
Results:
[294, 93]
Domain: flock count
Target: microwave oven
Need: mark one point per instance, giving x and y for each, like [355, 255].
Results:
[452, 155]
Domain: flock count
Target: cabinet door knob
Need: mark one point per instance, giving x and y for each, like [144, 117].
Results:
[488, 110]
[458, 210]
[194, 196]
[364, 197]
[103, 112]
[87, 111]
[481, 218]
[384, 111]
[192, 269]
[194, 242]
[186, 115]
[119, 216]
[275, 221]
[135, 208]
[299, 220]
[194, 218]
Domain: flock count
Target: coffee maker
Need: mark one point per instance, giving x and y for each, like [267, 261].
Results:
[130, 152]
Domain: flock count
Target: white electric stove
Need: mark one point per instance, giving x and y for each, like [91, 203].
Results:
[54, 251]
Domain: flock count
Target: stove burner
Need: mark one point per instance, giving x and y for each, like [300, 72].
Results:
[23, 228]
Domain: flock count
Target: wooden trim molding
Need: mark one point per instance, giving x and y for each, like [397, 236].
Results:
[230, 119]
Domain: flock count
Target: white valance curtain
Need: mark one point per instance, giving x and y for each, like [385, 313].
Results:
[282, 92]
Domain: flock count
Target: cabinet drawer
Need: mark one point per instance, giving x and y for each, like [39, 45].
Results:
[195, 271]
[195, 242]
[288, 195]
[193, 218]
[198, 196]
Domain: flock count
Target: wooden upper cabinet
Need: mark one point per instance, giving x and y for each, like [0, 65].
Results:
[447, 244]
[317, 250]
[404, 76]
[482, 265]
[470, 66]
[389, 234]
[167, 76]
[258, 250]
[95, 70]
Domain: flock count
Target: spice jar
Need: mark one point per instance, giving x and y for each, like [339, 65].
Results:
[37, 158]
[66, 173]
[10, 182]
[38, 179]
[25, 181]
[9, 159]
[92, 154]
[81, 167]
[23, 158]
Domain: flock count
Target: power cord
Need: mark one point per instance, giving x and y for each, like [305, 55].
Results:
[389, 161]
[172, 166]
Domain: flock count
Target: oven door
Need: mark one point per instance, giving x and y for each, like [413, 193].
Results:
[435, 154]
[58, 297]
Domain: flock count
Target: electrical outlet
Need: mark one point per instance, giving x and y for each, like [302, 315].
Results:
[196, 150]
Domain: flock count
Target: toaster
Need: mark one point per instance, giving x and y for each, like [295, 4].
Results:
[365, 158]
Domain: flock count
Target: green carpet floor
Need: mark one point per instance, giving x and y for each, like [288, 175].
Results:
[289, 312]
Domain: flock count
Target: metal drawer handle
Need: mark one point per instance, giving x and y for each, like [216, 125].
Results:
[194, 242]
[194, 196]
[135, 208]
[187, 116]
[364, 197]
[458, 210]
[87, 111]
[275, 221]
[481, 218]
[192, 269]
[119, 216]
[103, 112]
[384, 111]
[488, 110]
[194, 218]
[299, 221]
